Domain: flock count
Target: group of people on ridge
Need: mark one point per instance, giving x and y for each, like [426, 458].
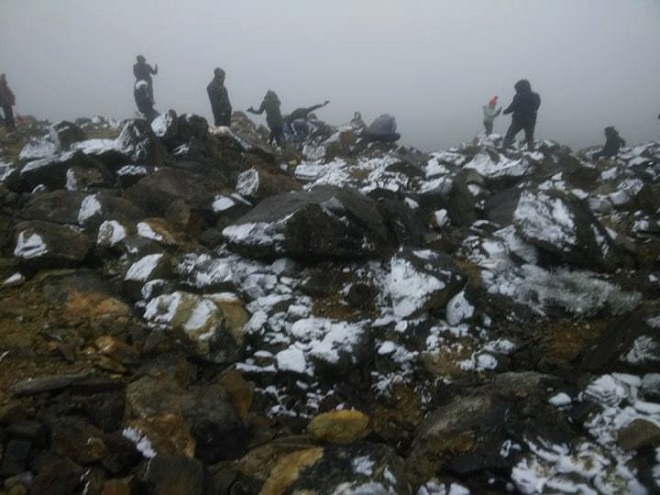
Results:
[301, 123]
[524, 109]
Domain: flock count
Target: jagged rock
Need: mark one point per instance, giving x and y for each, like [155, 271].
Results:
[77, 440]
[150, 267]
[105, 206]
[464, 426]
[172, 475]
[48, 245]
[630, 342]
[155, 193]
[61, 476]
[405, 225]
[213, 422]
[638, 434]
[261, 182]
[165, 434]
[138, 143]
[500, 207]
[461, 203]
[358, 468]
[421, 281]
[564, 226]
[60, 207]
[65, 134]
[201, 320]
[52, 172]
[15, 457]
[327, 222]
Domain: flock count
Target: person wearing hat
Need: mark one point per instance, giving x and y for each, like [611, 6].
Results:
[524, 109]
[220, 105]
[143, 72]
[7, 100]
[489, 114]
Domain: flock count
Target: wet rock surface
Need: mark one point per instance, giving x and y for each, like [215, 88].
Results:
[186, 310]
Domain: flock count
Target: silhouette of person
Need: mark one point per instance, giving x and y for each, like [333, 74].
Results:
[490, 113]
[7, 100]
[613, 142]
[524, 108]
[143, 72]
[144, 102]
[219, 98]
[271, 105]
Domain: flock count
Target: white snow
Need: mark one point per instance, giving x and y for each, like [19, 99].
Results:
[141, 270]
[142, 443]
[30, 246]
[89, 208]
[110, 233]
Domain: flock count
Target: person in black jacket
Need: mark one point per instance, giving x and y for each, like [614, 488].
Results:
[144, 102]
[7, 100]
[271, 105]
[143, 72]
[524, 107]
[613, 143]
[219, 98]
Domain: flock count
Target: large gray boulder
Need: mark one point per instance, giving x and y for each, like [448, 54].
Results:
[564, 226]
[326, 222]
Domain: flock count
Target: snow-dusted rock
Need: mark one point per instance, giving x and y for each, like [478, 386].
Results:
[422, 280]
[327, 222]
[49, 245]
[565, 227]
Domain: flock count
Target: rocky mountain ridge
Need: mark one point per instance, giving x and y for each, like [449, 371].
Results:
[187, 310]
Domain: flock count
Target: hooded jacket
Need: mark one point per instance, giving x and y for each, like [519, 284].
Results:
[525, 104]
[271, 105]
[219, 99]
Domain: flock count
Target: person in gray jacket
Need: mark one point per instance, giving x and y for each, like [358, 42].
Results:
[490, 113]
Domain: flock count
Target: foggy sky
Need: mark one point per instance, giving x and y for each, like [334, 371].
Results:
[431, 63]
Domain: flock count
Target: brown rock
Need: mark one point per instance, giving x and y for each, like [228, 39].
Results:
[640, 433]
[339, 426]
[168, 434]
[286, 472]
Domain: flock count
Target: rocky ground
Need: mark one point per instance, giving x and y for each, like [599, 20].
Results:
[186, 310]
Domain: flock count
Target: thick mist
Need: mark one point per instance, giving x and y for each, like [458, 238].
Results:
[431, 63]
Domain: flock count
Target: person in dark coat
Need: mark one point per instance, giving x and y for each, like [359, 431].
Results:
[298, 122]
[524, 108]
[613, 142]
[143, 72]
[7, 100]
[271, 105]
[219, 98]
[144, 102]
[303, 112]
[382, 129]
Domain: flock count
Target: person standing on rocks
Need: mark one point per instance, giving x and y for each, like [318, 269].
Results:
[613, 142]
[143, 101]
[524, 108]
[143, 72]
[219, 98]
[7, 100]
[302, 113]
[490, 113]
[271, 105]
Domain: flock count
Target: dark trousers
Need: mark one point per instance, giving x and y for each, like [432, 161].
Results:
[515, 128]
[277, 135]
[222, 119]
[9, 116]
[488, 126]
